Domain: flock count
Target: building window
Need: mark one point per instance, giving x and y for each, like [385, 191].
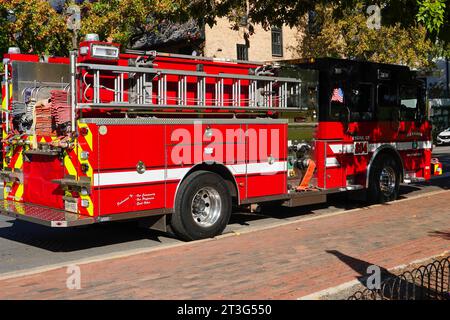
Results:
[242, 52]
[277, 42]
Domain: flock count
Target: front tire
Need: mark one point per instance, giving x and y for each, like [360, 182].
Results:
[202, 207]
[384, 180]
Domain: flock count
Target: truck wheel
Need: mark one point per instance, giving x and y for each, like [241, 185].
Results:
[202, 206]
[384, 180]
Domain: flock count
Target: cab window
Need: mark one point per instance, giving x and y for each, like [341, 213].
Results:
[408, 102]
[361, 104]
[387, 106]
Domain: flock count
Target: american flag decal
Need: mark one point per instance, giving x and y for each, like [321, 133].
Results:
[338, 95]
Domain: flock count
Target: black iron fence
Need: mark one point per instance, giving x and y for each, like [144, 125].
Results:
[427, 282]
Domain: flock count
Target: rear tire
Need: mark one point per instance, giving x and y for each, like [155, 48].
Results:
[202, 207]
[384, 180]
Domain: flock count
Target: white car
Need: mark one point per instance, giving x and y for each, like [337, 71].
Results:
[443, 137]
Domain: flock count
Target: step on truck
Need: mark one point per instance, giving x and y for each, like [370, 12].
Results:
[106, 135]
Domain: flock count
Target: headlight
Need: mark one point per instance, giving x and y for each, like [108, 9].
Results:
[104, 52]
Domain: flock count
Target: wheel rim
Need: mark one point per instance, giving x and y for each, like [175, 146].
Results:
[387, 181]
[206, 207]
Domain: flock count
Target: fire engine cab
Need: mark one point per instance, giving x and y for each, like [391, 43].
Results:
[183, 140]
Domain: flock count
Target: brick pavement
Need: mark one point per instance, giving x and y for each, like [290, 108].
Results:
[285, 262]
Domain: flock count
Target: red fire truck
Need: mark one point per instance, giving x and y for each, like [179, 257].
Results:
[183, 140]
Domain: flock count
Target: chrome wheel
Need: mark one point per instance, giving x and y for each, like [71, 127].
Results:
[206, 207]
[387, 181]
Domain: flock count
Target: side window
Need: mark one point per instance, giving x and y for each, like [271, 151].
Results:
[361, 104]
[387, 102]
[408, 102]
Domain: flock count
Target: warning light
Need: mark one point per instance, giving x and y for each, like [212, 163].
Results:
[85, 203]
[84, 167]
[84, 131]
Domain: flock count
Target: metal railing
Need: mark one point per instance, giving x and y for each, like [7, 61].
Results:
[427, 282]
[148, 88]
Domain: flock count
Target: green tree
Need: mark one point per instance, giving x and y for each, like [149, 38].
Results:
[433, 15]
[33, 26]
[125, 21]
[350, 36]
[39, 29]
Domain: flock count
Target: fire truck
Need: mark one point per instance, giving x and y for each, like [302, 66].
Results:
[182, 141]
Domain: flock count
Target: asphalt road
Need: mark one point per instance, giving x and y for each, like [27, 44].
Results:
[24, 245]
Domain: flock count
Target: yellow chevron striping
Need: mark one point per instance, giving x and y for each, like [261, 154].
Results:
[89, 173]
[69, 166]
[88, 137]
[19, 207]
[19, 162]
[19, 193]
[90, 208]
[4, 98]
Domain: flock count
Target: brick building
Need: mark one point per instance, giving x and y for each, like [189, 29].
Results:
[221, 41]
[274, 44]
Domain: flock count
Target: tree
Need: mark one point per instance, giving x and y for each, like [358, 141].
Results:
[33, 26]
[351, 36]
[433, 15]
[40, 29]
[125, 21]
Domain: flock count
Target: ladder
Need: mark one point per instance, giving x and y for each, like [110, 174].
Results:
[146, 88]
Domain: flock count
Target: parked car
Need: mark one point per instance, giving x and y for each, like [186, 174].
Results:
[443, 137]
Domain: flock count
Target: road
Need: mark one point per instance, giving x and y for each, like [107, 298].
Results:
[24, 246]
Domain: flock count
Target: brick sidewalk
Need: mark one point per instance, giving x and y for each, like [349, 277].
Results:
[284, 262]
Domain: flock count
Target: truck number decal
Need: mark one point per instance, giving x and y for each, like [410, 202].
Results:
[361, 148]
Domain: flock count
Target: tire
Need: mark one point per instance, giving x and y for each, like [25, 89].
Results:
[202, 206]
[384, 180]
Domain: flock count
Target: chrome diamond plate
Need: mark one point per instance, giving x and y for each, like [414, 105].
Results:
[43, 215]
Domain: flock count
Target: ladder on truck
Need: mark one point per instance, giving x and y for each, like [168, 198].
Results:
[147, 89]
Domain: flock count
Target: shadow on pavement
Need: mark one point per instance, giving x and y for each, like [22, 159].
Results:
[360, 266]
[389, 285]
[440, 234]
[78, 238]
